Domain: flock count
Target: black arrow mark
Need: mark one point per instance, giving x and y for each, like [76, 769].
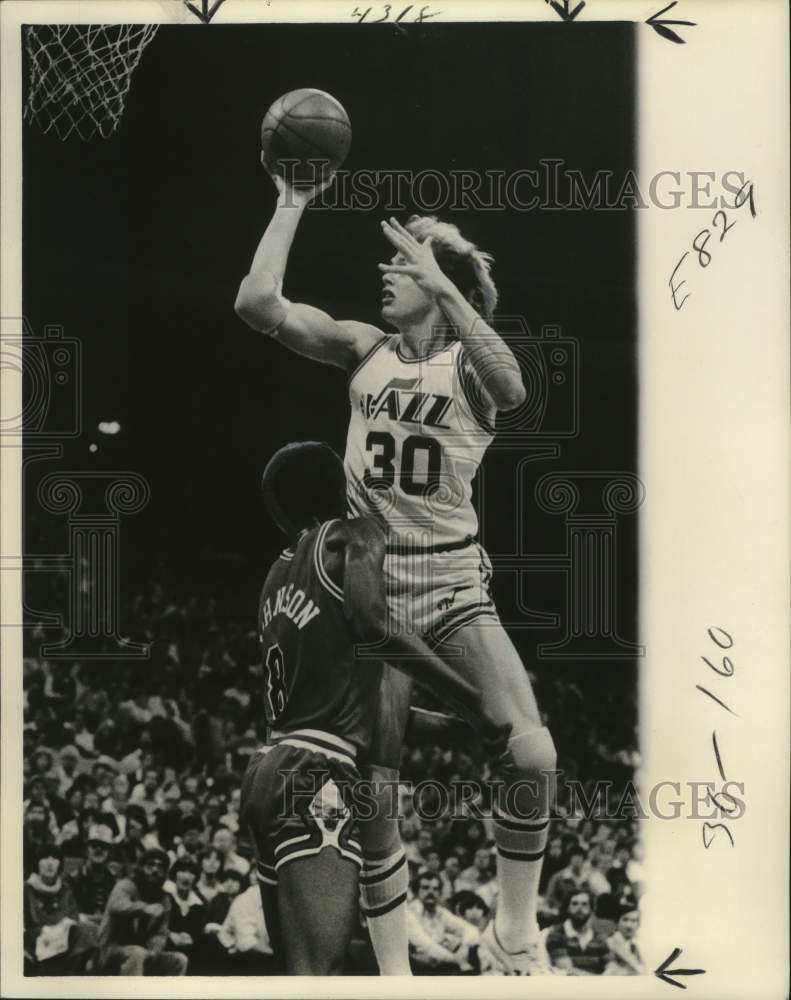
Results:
[563, 9]
[659, 26]
[664, 972]
[207, 12]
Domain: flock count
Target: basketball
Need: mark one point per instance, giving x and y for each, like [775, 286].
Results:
[305, 135]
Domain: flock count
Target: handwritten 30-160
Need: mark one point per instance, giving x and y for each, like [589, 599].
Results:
[727, 804]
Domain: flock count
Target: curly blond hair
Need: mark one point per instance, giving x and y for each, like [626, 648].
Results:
[467, 267]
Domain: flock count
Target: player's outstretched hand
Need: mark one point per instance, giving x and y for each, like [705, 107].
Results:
[294, 196]
[420, 262]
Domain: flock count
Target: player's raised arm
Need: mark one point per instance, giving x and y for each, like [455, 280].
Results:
[302, 328]
[361, 545]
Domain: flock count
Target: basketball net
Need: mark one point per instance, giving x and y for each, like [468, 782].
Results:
[80, 75]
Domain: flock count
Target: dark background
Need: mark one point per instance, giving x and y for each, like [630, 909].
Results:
[136, 245]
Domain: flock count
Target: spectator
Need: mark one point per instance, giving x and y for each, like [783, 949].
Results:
[134, 930]
[92, 882]
[433, 863]
[479, 877]
[569, 879]
[136, 708]
[188, 911]
[634, 869]
[224, 841]
[168, 819]
[93, 701]
[43, 761]
[57, 803]
[36, 834]
[244, 936]
[37, 795]
[449, 877]
[585, 834]
[554, 860]
[417, 851]
[106, 738]
[213, 810]
[147, 793]
[67, 768]
[573, 945]
[190, 786]
[104, 772]
[188, 807]
[439, 941]
[601, 858]
[81, 736]
[408, 818]
[208, 883]
[231, 885]
[231, 817]
[116, 804]
[624, 957]
[191, 840]
[54, 943]
[133, 846]
[73, 836]
[470, 907]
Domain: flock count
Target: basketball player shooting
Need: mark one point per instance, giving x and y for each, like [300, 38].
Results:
[423, 404]
[323, 596]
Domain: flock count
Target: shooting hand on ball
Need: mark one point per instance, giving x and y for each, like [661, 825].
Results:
[420, 262]
[290, 195]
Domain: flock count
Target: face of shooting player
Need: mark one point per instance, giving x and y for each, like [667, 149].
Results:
[404, 303]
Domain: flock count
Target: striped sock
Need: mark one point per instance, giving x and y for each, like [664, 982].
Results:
[520, 854]
[383, 886]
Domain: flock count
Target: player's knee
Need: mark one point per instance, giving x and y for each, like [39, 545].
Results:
[532, 757]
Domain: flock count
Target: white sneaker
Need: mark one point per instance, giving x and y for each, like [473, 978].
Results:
[533, 961]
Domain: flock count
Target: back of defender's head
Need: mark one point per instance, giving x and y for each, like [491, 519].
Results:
[460, 260]
[304, 484]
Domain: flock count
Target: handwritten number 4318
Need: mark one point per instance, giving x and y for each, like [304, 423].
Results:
[422, 15]
[721, 225]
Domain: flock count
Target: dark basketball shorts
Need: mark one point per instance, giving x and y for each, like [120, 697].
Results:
[296, 800]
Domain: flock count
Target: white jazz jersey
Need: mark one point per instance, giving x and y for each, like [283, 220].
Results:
[417, 434]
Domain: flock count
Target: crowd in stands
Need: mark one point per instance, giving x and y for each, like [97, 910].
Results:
[135, 862]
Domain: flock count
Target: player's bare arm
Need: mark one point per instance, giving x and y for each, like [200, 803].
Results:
[300, 327]
[358, 548]
[491, 358]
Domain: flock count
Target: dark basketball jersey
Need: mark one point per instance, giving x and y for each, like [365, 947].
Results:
[312, 679]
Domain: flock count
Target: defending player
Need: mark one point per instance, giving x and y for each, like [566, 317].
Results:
[323, 595]
[423, 405]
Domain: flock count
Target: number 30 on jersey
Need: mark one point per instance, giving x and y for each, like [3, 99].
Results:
[386, 466]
